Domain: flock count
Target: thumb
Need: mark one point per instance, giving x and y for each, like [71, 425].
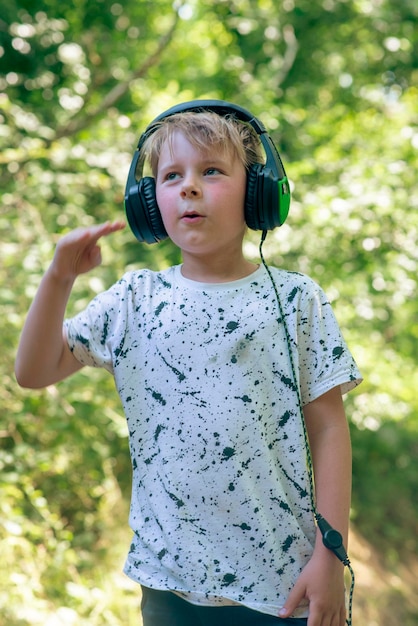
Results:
[294, 599]
[95, 256]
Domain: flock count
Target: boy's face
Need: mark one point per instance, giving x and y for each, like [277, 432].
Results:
[201, 198]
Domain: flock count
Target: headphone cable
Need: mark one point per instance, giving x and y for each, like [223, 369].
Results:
[328, 533]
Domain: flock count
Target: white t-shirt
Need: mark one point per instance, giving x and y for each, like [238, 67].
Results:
[221, 507]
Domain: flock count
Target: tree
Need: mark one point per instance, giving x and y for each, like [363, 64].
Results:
[335, 82]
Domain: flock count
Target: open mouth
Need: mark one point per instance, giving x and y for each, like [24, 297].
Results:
[191, 216]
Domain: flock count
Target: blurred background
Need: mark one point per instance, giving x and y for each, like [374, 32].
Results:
[336, 84]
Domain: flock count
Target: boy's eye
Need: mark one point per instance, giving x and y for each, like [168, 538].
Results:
[211, 171]
[171, 176]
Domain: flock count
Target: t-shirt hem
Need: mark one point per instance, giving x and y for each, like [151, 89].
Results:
[338, 381]
[203, 599]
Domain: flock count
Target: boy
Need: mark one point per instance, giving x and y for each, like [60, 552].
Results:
[213, 361]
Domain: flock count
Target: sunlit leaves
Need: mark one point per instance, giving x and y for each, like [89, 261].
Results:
[335, 83]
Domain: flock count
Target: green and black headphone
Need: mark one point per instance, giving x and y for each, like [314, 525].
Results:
[267, 198]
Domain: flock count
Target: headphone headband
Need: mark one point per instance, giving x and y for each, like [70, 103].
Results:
[267, 198]
[221, 107]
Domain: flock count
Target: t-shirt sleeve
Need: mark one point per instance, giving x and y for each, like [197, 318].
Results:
[324, 358]
[94, 334]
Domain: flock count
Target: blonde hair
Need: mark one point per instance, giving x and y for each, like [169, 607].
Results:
[205, 131]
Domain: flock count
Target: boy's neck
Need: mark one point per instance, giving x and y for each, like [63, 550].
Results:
[205, 270]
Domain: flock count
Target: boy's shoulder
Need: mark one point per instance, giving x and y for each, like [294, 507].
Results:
[148, 277]
[298, 280]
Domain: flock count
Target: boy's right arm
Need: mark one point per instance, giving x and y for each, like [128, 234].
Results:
[43, 356]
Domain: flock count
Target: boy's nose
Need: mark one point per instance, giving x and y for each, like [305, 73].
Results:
[190, 188]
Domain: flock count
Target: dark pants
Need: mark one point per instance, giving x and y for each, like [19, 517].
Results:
[163, 608]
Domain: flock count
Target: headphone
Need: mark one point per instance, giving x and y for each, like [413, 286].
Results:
[267, 198]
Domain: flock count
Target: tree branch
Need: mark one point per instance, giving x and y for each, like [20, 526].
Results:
[79, 122]
[291, 51]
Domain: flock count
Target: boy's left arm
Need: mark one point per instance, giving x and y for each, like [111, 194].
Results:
[321, 583]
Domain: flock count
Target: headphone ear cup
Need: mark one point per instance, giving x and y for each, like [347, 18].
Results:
[147, 189]
[142, 212]
[267, 198]
[252, 197]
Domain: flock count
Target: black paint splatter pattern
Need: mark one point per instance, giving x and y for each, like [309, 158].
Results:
[220, 502]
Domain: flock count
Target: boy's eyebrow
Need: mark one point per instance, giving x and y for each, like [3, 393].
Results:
[203, 159]
[215, 160]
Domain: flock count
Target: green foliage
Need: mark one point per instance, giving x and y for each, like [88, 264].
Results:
[388, 486]
[335, 82]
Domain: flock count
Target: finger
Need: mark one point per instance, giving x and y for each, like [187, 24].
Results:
[116, 225]
[315, 616]
[321, 615]
[96, 256]
[102, 230]
[97, 232]
[295, 598]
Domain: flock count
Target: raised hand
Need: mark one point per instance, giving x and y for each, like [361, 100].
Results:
[78, 252]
